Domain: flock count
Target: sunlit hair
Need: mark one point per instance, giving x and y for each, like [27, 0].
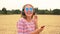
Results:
[23, 14]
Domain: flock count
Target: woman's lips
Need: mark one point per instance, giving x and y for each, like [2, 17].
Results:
[29, 13]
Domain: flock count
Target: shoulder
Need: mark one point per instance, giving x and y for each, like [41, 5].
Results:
[21, 20]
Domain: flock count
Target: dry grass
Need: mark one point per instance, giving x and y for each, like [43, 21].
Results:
[52, 23]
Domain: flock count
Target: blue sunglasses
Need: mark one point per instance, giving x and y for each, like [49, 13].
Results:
[28, 9]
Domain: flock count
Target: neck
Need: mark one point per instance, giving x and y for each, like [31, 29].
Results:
[28, 19]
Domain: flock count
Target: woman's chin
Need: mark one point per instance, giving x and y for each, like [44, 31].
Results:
[29, 15]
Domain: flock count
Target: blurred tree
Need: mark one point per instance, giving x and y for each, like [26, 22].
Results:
[41, 11]
[0, 11]
[47, 12]
[17, 11]
[56, 11]
[9, 12]
[4, 10]
[36, 10]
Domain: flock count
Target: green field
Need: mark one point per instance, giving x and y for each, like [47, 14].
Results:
[51, 22]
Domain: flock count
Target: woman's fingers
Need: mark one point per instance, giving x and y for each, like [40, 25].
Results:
[42, 26]
[41, 29]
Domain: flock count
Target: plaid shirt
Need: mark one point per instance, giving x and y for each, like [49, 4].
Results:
[25, 27]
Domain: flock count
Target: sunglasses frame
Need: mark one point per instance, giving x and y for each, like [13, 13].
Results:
[31, 9]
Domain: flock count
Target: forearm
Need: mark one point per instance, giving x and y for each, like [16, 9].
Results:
[37, 31]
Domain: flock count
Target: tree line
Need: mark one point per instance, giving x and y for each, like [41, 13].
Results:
[38, 11]
[5, 11]
[52, 12]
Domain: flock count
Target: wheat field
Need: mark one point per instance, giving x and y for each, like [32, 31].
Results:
[51, 22]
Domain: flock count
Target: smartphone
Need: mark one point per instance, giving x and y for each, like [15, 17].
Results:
[42, 26]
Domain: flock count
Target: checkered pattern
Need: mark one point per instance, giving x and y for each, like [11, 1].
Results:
[25, 27]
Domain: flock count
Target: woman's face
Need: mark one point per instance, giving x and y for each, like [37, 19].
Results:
[28, 10]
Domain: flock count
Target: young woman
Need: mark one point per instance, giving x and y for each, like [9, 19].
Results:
[28, 23]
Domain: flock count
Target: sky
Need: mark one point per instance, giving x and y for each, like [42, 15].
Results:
[40, 4]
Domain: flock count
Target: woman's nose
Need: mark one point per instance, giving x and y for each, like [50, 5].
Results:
[28, 10]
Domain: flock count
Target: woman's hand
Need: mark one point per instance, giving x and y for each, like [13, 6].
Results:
[41, 29]
[37, 31]
[35, 18]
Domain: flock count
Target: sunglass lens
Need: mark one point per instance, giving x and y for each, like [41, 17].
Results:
[26, 9]
[31, 9]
